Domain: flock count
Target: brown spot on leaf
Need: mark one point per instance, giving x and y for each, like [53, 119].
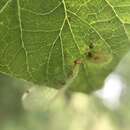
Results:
[90, 54]
[91, 46]
[98, 57]
[77, 62]
[27, 91]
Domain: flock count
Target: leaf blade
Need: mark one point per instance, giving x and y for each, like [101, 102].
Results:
[41, 43]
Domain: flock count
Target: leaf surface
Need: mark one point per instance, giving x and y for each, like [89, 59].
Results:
[41, 41]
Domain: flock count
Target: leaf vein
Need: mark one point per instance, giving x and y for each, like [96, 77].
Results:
[41, 14]
[22, 41]
[4, 7]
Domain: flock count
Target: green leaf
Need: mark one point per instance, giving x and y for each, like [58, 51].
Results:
[42, 40]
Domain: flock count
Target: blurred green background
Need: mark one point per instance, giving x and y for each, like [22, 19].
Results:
[24, 107]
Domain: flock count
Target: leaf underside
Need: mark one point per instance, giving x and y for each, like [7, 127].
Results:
[40, 40]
